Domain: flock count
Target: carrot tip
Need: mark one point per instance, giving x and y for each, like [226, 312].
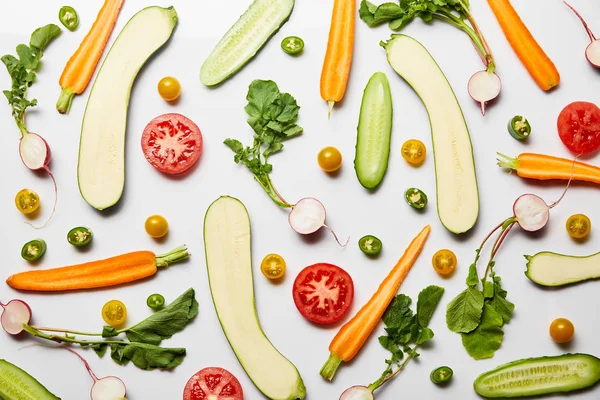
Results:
[63, 105]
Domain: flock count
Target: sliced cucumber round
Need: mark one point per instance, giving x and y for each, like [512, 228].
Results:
[16, 384]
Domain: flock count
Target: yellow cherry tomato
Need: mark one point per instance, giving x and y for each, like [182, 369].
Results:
[156, 226]
[578, 226]
[413, 151]
[562, 330]
[444, 262]
[114, 313]
[169, 88]
[27, 201]
[273, 266]
[330, 159]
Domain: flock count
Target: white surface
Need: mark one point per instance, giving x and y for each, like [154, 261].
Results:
[351, 209]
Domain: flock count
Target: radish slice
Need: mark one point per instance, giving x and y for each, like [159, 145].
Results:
[307, 216]
[592, 52]
[108, 388]
[34, 151]
[484, 86]
[532, 212]
[357, 393]
[15, 314]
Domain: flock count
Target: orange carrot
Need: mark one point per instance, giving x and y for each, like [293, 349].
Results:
[543, 167]
[110, 272]
[354, 333]
[338, 58]
[82, 64]
[539, 65]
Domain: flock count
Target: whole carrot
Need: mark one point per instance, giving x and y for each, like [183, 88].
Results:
[338, 58]
[81, 66]
[538, 64]
[113, 271]
[544, 167]
[353, 335]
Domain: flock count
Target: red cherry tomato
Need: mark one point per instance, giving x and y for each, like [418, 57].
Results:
[172, 143]
[323, 293]
[579, 127]
[213, 383]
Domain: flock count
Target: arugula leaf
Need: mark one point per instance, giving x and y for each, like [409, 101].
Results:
[428, 301]
[463, 314]
[165, 323]
[147, 356]
[486, 338]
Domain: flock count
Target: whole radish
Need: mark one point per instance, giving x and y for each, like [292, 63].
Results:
[592, 52]
[33, 149]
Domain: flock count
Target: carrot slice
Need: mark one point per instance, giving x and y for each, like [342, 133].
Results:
[538, 64]
[338, 58]
[353, 335]
[544, 167]
[81, 66]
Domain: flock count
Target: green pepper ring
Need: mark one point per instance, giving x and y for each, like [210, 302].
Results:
[418, 204]
[155, 301]
[80, 236]
[521, 132]
[371, 248]
[68, 17]
[441, 375]
[37, 245]
[292, 45]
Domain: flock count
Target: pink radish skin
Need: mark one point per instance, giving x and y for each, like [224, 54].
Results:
[592, 52]
[484, 86]
[15, 314]
[35, 154]
[308, 216]
[531, 212]
[357, 393]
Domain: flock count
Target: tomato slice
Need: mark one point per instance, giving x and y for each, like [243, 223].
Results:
[323, 293]
[172, 143]
[213, 383]
[579, 127]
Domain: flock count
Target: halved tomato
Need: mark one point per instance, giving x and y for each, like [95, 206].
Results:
[213, 383]
[172, 143]
[579, 127]
[323, 293]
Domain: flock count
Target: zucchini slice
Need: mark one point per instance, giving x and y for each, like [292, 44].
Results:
[101, 169]
[229, 264]
[553, 269]
[456, 180]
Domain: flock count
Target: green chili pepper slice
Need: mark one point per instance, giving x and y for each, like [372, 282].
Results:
[33, 250]
[80, 236]
[416, 198]
[155, 301]
[519, 127]
[441, 375]
[292, 45]
[370, 245]
[68, 17]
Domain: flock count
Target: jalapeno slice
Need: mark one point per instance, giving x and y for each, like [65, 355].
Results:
[80, 236]
[68, 17]
[33, 250]
[370, 245]
[519, 127]
[416, 198]
[155, 301]
[441, 375]
[292, 45]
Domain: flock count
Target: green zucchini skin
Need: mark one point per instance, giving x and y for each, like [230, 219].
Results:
[539, 376]
[374, 132]
[16, 384]
[567, 269]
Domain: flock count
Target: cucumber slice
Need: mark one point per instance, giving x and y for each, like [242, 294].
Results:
[101, 169]
[244, 39]
[538, 376]
[456, 180]
[374, 132]
[16, 384]
[229, 264]
[553, 269]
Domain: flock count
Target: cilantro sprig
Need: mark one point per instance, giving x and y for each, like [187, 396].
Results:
[272, 115]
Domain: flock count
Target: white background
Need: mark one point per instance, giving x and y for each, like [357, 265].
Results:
[351, 209]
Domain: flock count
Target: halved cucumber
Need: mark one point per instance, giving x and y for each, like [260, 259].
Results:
[457, 193]
[374, 132]
[538, 376]
[229, 264]
[243, 40]
[16, 384]
[101, 169]
[553, 269]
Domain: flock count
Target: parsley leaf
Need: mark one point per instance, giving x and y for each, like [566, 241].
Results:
[486, 338]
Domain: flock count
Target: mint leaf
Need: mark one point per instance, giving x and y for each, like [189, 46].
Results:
[487, 338]
[41, 37]
[428, 301]
[463, 314]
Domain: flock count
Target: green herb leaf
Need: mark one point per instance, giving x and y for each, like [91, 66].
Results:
[428, 301]
[487, 337]
[502, 306]
[41, 37]
[398, 314]
[424, 335]
[27, 57]
[147, 356]
[99, 348]
[463, 314]
[165, 323]
[488, 289]
[109, 331]
[472, 278]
